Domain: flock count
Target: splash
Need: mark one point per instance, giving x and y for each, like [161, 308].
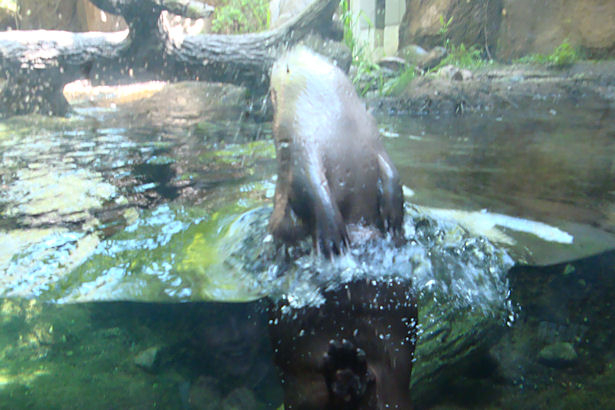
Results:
[441, 261]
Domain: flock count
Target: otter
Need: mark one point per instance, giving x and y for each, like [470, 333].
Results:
[355, 351]
[333, 170]
[334, 177]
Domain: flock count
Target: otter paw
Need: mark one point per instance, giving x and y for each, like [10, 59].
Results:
[346, 374]
[331, 239]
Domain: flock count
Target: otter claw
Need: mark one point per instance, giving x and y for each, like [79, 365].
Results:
[332, 243]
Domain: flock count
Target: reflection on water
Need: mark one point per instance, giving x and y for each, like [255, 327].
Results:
[555, 165]
[551, 166]
[82, 202]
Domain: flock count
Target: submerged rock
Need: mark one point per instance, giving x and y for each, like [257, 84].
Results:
[206, 394]
[148, 359]
[560, 354]
[459, 279]
[241, 398]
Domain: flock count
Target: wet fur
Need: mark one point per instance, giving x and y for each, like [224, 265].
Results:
[332, 167]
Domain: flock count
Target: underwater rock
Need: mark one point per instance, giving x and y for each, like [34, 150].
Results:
[459, 280]
[560, 354]
[148, 359]
[204, 394]
[241, 398]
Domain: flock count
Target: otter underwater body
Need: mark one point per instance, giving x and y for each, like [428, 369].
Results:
[333, 170]
[334, 174]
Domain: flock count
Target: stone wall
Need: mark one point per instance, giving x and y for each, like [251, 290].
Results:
[473, 22]
[513, 28]
[538, 26]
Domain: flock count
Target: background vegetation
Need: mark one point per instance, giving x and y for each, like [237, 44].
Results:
[240, 16]
[564, 55]
[10, 5]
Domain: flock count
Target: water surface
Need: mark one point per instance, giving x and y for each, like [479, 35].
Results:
[555, 164]
[106, 205]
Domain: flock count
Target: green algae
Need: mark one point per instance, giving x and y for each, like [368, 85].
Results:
[171, 253]
[54, 357]
[207, 258]
[240, 153]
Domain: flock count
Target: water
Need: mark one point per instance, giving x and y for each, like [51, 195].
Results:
[84, 202]
[554, 164]
[81, 200]
[534, 164]
[108, 205]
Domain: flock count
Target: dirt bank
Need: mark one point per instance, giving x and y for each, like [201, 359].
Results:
[495, 89]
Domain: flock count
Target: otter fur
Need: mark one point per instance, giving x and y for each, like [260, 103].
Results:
[333, 170]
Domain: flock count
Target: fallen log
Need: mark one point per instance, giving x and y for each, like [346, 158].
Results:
[38, 64]
[132, 9]
[245, 59]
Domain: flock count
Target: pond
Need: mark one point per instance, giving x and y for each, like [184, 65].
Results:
[551, 163]
[108, 205]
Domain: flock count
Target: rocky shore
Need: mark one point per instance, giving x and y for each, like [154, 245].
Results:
[495, 89]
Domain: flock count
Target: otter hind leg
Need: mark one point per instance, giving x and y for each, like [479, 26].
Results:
[283, 224]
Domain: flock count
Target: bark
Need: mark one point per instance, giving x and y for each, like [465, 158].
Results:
[246, 59]
[38, 63]
[134, 8]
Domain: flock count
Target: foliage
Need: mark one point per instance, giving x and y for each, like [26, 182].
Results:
[368, 77]
[564, 55]
[368, 74]
[348, 21]
[397, 85]
[462, 57]
[240, 16]
[459, 56]
[10, 5]
[359, 50]
[443, 32]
